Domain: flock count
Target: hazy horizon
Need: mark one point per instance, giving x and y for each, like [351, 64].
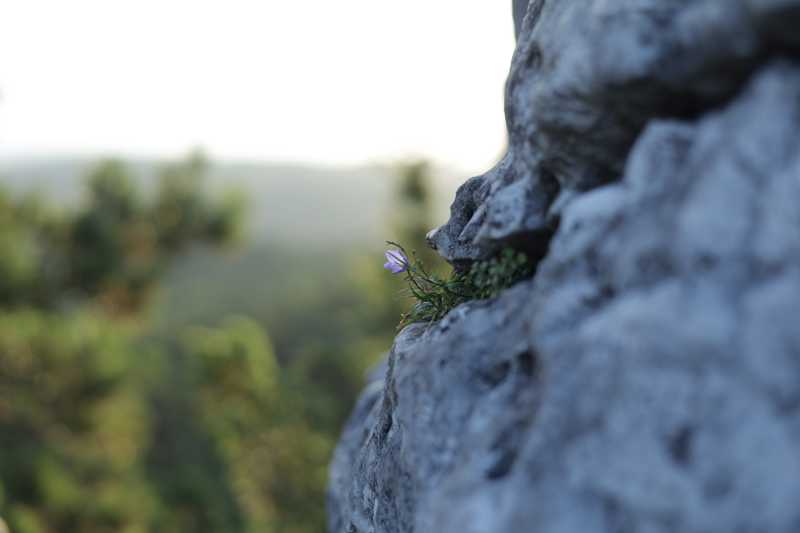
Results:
[289, 203]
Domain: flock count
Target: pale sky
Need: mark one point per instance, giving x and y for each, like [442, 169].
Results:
[315, 81]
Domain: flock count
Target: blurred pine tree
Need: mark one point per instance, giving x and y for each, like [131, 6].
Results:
[74, 417]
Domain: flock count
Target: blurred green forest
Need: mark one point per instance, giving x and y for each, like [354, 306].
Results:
[163, 369]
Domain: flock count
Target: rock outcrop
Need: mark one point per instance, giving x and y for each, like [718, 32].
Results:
[647, 378]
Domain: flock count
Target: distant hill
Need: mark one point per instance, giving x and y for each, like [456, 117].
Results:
[288, 204]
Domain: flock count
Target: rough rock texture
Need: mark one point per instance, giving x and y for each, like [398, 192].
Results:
[647, 379]
[586, 78]
[519, 7]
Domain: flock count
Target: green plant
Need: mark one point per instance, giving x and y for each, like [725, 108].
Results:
[487, 279]
[435, 296]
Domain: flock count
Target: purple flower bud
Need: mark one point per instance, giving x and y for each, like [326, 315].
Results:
[396, 262]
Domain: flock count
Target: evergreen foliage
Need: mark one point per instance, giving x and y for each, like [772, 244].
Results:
[119, 415]
[77, 380]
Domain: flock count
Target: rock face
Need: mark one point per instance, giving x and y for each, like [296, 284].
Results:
[647, 379]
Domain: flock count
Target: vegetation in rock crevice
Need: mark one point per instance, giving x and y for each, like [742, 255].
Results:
[434, 295]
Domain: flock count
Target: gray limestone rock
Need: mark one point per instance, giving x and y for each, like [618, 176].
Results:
[647, 378]
[586, 78]
[519, 7]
